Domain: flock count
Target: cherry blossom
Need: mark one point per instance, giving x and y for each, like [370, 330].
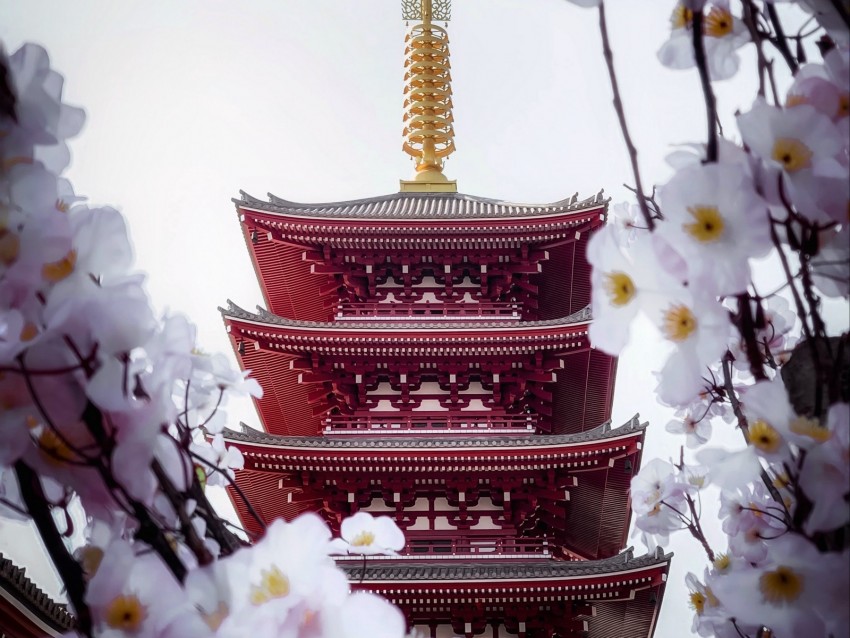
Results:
[44, 122]
[658, 494]
[134, 595]
[826, 472]
[626, 279]
[723, 34]
[799, 141]
[366, 534]
[697, 325]
[696, 431]
[796, 589]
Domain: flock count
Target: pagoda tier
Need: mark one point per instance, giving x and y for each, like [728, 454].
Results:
[619, 596]
[425, 356]
[474, 256]
[471, 498]
[25, 610]
[460, 374]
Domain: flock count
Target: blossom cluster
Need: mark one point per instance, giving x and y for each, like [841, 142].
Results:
[109, 410]
[682, 257]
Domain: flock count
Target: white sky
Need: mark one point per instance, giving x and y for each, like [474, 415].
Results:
[190, 101]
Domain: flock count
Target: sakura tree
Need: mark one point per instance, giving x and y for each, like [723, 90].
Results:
[742, 357]
[110, 415]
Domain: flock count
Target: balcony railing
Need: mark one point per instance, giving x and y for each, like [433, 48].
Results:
[429, 310]
[405, 424]
[471, 547]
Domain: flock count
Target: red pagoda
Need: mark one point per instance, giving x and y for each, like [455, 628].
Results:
[425, 355]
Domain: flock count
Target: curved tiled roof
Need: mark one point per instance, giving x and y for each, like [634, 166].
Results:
[513, 570]
[402, 206]
[264, 316]
[14, 580]
[599, 433]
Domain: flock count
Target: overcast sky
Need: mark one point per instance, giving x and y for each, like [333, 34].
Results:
[190, 101]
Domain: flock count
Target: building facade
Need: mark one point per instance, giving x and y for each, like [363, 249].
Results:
[425, 355]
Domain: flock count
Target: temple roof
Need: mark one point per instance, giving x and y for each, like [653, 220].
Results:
[412, 571]
[420, 206]
[13, 579]
[599, 433]
[431, 325]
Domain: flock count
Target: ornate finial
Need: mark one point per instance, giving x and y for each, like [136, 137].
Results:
[428, 132]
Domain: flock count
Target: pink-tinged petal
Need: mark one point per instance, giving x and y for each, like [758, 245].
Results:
[727, 469]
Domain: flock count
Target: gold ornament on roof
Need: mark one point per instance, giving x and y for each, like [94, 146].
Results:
[440, 10]
[428, 131]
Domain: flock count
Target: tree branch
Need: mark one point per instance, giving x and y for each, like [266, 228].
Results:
[708, 92]
[621, 118]
[69, 569]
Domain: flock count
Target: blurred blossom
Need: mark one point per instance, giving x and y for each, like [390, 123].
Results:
[723, 35]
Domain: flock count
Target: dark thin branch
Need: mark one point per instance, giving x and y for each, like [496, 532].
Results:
[743, 425]
[749, 19]
[708, 92]
[781, 40]
[696, 529]
[69, 569]
[235, 487]
[795, 294]
[178, 502]
[621, 118]
[747, 328]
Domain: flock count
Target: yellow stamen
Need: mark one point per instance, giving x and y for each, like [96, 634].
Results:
[29, 331]
[697, 481]
[363, 539]
[792, 154]
[782, 585]
[10, 247]
[811, 428]
[215, 618]
[90, 558]
[781, 481]
[718, 23]
[62, 206]
[620, 288]
[708, 224]
[682, 17]
[795, 99]
[53, 448]
[125, 613]
[722, 562]
[697, 602]
[843, 105]
[273, 584]
[679, 323]
[764, 437]
[14, 161]
[59, 270]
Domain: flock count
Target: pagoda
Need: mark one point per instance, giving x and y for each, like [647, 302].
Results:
[425, 355]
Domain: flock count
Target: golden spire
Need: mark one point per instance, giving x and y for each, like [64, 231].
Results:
[428, 132]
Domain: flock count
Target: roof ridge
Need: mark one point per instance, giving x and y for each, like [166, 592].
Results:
[235, 311]
[496, 208]
[32, 594]
[599, 433]
[458, 569]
